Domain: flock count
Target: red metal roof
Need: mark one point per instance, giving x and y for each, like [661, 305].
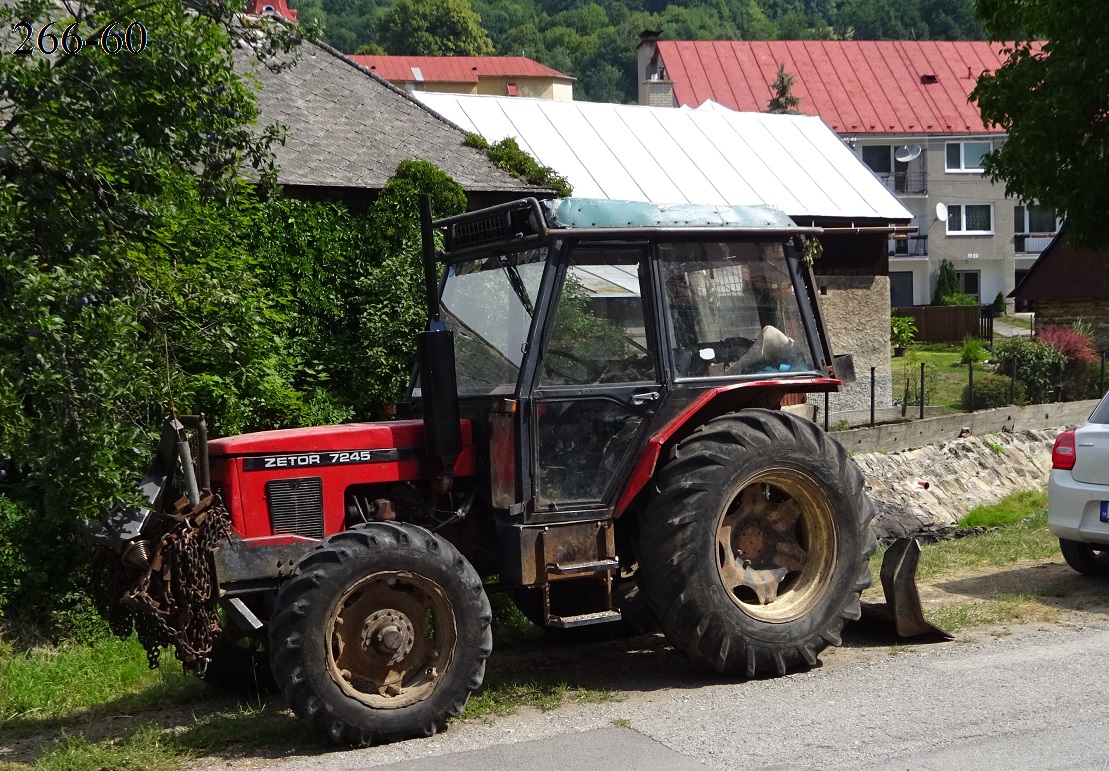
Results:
[856, 86]
[456, 69]
[272, 8]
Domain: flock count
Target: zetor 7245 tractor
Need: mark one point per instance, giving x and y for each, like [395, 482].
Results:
[595, 419]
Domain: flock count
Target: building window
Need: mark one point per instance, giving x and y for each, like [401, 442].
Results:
[512, 90]
[969, 219]
[895, 175]
[970, 283]
[966, 156]
[1033, 228]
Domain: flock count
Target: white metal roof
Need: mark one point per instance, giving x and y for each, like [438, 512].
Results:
[794, 163]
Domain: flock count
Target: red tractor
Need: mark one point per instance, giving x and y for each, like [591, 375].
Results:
[595, 419]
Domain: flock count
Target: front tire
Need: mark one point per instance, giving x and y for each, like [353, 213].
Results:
[755, 549]
[382, 634]
[1087, 558]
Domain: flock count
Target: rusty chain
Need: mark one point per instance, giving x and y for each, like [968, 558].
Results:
[173, 601]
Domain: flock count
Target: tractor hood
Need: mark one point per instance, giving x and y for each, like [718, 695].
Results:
[392, 434]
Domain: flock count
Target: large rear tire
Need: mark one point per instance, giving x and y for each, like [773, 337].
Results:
[1089, 559]
[755, 549]
[382, 634]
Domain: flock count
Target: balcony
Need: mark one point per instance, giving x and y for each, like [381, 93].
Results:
[1031, 243]
[904, 182]
[909, 246]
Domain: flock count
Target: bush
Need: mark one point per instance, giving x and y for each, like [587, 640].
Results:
[957, 298]
[972, 351]
[999, 303]
[991, 391]
[947, 283]
[1072, 343]
[1038, 366]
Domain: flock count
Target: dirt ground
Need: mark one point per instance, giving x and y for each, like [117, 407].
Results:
[1041, 593]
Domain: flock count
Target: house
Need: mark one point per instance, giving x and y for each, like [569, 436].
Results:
[348, 129]
[1067, 286]
[493, 75]
[793, 163]
[902, 106]
[278, 9]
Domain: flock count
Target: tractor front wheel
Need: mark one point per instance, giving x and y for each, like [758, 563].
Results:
[755, 549]
[382, 634]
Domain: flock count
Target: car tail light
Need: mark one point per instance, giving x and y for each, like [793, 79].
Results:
[1062, 454]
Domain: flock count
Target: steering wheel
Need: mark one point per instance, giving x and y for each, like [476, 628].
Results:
[590, 369]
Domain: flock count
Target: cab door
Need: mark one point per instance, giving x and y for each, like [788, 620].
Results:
[598, 382]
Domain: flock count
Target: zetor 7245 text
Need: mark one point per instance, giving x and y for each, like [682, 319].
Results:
[596, 419]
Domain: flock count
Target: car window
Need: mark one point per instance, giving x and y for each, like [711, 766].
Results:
[1101, 411]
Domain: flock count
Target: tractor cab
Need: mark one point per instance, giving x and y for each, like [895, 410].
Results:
[582, 327]
[588, 335]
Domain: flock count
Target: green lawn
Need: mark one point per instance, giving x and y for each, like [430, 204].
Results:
[944, 377]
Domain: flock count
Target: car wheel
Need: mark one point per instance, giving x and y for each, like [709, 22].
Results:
[1089, 559]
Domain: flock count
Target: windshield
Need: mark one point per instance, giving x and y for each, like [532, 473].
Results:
[489, 305]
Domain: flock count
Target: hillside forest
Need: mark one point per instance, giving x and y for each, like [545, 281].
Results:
[595, 41]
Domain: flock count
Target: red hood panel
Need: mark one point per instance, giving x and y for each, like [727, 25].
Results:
[348, 436]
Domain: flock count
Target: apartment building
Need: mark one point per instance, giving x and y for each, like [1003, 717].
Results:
[903, 107]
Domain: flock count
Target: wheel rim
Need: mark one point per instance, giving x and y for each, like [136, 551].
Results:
[776, 545]
[392, 637]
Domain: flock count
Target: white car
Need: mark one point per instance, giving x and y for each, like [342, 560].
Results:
[1078, 493]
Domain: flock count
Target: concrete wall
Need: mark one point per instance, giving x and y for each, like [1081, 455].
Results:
[856, 311]
[918, 433]
[496, 85]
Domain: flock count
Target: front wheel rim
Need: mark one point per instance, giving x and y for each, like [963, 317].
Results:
[391, 639]
[776, 545]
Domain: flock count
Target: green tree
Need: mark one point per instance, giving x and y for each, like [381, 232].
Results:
[784, 102]
[868, 20]
[124, 287]
[433, 28]
[947, 283]
[1051, 101]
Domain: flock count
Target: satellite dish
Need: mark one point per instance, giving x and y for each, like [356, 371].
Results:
[941, 212]
[906, 153]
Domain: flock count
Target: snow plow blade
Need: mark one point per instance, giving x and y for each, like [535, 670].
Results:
[902, 607]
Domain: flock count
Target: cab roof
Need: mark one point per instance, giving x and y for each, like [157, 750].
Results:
[606, 213]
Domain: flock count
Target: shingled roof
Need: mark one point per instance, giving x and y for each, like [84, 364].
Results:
[349, 128]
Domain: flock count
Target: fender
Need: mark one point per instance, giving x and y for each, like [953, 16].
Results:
[644, 468]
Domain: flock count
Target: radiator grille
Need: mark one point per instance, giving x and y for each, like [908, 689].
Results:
[296, 506]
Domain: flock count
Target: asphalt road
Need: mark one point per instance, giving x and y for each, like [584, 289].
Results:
[1028, 697]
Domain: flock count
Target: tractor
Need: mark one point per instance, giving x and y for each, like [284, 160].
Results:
[595, 424]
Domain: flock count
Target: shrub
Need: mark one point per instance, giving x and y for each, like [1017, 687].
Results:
[957, 298]
[1038, 366]
[999, 303]
[902, 331]
[947, 283]
[1072, 343]
[972, 351]
[991, 391]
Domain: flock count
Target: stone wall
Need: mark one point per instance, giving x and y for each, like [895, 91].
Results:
[857, 313]
[934, 486]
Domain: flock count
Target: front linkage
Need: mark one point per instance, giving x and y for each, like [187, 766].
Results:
[154, 564]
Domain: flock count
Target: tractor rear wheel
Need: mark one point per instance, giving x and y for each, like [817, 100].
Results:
[381, 634]
[755, 549]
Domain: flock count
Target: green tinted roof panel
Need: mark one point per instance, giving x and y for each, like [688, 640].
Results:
[604, 213]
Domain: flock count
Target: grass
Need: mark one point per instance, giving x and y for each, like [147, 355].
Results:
[1016, 321]
[945, 377]
[1010, 510]
[1021, 534]
[49, 683]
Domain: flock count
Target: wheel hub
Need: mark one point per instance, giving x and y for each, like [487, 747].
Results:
[776, 545]
[388, 633]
